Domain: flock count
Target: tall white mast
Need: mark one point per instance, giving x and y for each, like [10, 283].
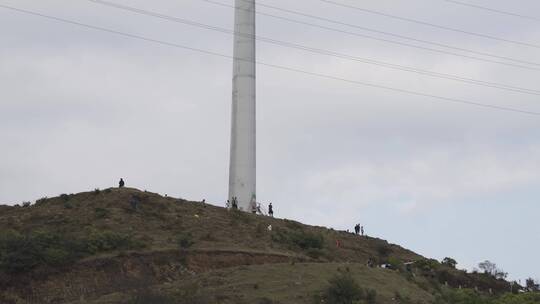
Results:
[242, 172]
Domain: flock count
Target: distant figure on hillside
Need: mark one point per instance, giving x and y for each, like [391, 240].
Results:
[234, 202]
[228, 204]
[271, 210]
[362, 230]
[121, 183]
[203, 201]
[259, 211]
[357, 229]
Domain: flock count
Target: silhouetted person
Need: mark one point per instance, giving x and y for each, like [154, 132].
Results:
[271, 210]
[121, 183]
[234, 203]
[362, 230]
[357, 229]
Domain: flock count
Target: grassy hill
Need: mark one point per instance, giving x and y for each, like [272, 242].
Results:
[95, 247]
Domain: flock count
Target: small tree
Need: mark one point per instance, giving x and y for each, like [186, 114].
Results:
[532, 285]
[488, 267]
[449, 262]
[492, 270]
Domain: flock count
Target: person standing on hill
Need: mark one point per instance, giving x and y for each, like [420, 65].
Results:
[362, 230]
[271, 210]
[357, 229]
[121, 183]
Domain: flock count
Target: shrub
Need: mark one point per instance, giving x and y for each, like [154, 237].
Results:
[302, 239]
[395, 263]
[384, 250]
[314, 253]
[185, 240]
[97, 191]
[342, 289]
[41, 200]
[26, 204]
[101, 213]
[21, 253]
[449, 262]
[64, 197]
[100, 241]
[371, 296]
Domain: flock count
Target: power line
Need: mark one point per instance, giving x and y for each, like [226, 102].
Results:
[493, 10]
[322, 51]
[280, 67]
[383, 33]
[430, 24]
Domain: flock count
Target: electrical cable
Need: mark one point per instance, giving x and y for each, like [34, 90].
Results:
[280, 67]
[493, 10]
[430, 24]
[321, 51]
[383, 33]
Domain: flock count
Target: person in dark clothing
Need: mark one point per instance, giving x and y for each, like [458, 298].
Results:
[271, 210]
[121, 183]
[234, 203]
[362, 230]
[357, 229]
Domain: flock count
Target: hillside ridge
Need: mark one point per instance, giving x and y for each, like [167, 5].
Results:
[101, 247]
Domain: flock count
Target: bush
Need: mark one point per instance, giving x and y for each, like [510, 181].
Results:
[449, 262]
[384, 250]
[342, 289]
[185, 240]
[101, 213]
[101, 241]
[64, 197]
[371, 296]
[21, 253]
[301, 239]
[41, 200]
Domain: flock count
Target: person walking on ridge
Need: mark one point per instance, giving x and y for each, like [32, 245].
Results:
[270, 210]
[121, 183]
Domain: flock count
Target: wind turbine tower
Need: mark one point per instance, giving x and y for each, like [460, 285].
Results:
[242, 171]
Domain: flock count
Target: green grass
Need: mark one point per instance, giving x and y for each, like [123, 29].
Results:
[173, 247]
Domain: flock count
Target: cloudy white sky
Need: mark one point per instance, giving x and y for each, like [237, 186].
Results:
[81, 108]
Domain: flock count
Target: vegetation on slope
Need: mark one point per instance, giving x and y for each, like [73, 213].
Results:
[96, 246]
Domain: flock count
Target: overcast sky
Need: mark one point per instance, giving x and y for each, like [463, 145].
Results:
[81, 108]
